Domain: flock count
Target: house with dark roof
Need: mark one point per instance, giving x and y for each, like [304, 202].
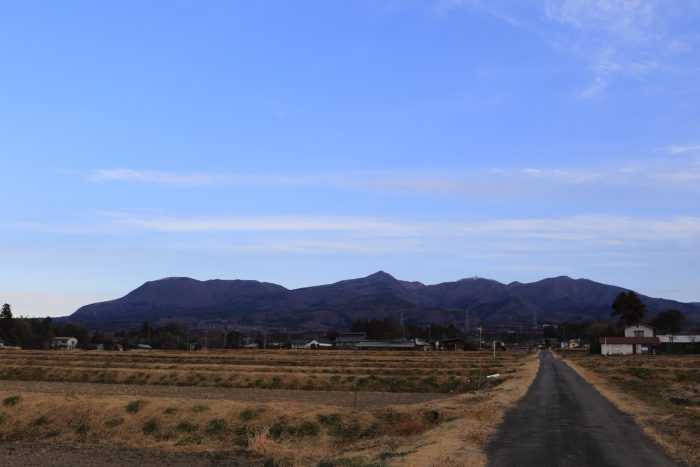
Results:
[638, 340]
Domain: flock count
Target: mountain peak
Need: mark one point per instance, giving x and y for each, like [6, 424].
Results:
[381, 275]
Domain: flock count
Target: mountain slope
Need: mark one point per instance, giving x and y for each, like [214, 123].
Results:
[261, 304]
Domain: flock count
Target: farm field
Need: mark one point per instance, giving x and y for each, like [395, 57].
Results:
[282, 407]
[429, 372]
[662, 392]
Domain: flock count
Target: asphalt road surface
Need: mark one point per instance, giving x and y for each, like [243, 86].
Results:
[563, 421]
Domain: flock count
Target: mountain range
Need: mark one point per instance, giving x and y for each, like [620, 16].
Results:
[466, 302]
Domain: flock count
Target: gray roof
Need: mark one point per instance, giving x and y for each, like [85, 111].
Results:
[385, 345]
[349, 339]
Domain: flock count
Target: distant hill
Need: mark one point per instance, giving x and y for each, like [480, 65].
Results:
[337, 306]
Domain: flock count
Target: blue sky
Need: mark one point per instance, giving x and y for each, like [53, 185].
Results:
[312, 141]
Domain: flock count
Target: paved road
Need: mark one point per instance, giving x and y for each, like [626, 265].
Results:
[563, 421]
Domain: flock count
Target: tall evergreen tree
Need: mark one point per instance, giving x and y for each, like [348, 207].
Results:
[629, 307]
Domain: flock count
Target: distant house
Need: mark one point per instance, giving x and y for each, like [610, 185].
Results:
[7, 346]
[574, 344]
[639, 330]
[299, 343]
[415, 344]
[449, 344]
[639, 339]
[679, 338]
[65, 342]
[348, 340]
[319, 343]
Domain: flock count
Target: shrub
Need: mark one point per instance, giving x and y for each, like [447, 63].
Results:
[150, 427]
[329, 420]
[280, 429]
[216, 426]
[187, 427]
[10, 401]
[82, 428]
[43, 420]
[170, 411]
[135, 406]
[308, 428]
[248, 415]
[200, 408]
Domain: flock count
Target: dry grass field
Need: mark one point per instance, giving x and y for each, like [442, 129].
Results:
[662, 392]
[286, 407]
[308, 370]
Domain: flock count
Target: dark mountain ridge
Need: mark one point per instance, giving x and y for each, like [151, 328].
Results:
[251, 303]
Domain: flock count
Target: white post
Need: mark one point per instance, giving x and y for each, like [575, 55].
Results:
[494, 348]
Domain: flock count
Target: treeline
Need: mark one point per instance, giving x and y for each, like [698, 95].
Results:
[35, 333]
[389, 328]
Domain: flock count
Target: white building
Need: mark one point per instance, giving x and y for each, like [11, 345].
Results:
[639, 339]
[639, 330]
[679, 338]
[65, 342]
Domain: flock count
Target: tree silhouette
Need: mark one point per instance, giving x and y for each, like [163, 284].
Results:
[6, 313]
[629, 307]
[669, 321]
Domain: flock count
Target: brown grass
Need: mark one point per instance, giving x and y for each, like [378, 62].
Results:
[661, 392]
[430, 372]
[462, 440]
[292, 433]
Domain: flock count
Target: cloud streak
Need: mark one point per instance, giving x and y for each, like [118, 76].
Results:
[679, 173]
[192, 179]
[591, 229]
[630, 38]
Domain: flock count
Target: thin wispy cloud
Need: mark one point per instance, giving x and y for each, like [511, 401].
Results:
[629, 38]
[593, 228]
[263, 224]
[682, 149]
[192, 179]
[503, 183]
